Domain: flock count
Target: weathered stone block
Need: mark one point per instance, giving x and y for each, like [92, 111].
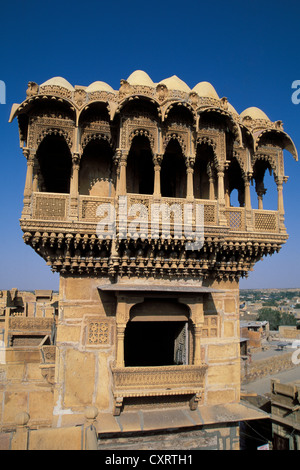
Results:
[223, 374]
[40, 405]
[222, 352]
[68, 333]
[217, 397]
[79, 378]
[14, 402]
[230, 306]
[56, 439]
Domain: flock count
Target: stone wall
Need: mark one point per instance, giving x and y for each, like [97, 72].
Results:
[265, 367]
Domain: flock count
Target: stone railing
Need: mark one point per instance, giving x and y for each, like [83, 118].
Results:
[265, 221]
[50, 206]
[158, 381]
[235, 217]
[56, 207]
[88, 206]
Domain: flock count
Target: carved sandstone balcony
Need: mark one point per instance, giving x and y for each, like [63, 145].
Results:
[65, 232]
[158, 381]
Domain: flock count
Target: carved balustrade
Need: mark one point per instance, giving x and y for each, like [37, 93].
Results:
[158, 381]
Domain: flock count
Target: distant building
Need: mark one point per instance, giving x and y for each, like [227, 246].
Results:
[255, 332]
[285, 415]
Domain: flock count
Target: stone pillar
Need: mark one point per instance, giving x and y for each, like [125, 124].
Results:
[280, 206]
[211, 183]
[74, 186]
[74, 189]
[157, 159]
[197, 351]
[260, 195]
[28, 182]
[121, 160]
[197, 317]
[124, 305]
[120, 362]
[36, 172]
[190, 173]
[221, 195]
[247, 194]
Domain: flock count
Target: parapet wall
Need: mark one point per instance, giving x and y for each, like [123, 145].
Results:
[265, 367]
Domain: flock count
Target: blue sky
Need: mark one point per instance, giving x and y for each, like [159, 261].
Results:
[248, 50]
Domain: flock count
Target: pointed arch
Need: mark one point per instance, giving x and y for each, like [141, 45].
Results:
[173, 171]
[97, 171]
[140, 167]
[55, 163]
[280, 138]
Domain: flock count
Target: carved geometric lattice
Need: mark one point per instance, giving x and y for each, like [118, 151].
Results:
[50, 207]
[235, 219]
[210, 214]
[265, 222]
[89, 207]
[98, 332]
[210, 326]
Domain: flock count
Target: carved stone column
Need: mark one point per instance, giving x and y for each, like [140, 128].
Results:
[221, 194]
[120, 362]
[197, 317]
[211, 180]
[28, 182]
[260, 194]
[157, 160]
[247, 194]
[74, 187]
[124, 305]
[36, 172]
[280, 205]
[248, 206]
[189, 161]
[121, 161]
[197, 351]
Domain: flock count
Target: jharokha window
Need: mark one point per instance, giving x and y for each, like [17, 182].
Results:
[157, 334]
[158, 353]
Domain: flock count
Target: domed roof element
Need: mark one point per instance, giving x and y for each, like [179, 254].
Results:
[254, 113]
[58, 81]
[231, 109]
[205, 89]
[174, 83]
[99, 86]
[139, 77]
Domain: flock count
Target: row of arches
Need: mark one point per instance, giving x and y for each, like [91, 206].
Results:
[98, 173]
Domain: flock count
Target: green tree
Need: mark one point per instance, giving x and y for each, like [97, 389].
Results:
[275, 318]
[270, 315]
[288, 319]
